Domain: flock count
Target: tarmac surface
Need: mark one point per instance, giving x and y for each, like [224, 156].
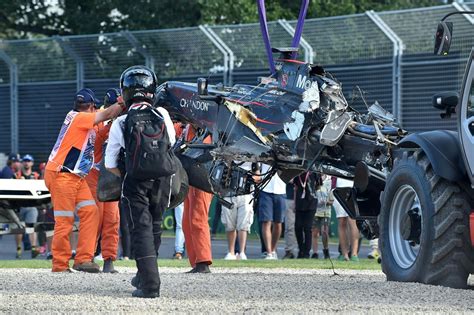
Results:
[219, 249]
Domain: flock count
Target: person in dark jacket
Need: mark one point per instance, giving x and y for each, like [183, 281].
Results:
[306, 203]
[13, 167]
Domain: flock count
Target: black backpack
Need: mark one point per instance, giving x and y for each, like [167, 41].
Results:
[148, 153]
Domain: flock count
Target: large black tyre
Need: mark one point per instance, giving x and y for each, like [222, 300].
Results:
[418, 205]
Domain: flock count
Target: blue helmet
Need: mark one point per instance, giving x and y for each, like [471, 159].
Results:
[111, 97]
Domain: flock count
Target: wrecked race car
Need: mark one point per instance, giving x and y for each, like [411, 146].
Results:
[296, 119]
[417, 189]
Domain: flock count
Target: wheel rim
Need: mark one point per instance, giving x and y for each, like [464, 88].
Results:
[405, 204]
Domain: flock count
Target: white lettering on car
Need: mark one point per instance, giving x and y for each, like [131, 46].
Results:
[198, 105]
[300, 82]
[303, 83]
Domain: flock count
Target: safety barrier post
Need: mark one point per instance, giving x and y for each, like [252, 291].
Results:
[13, 100]
[79, 62]
[308, 50]
[149, 59]
[398, 48]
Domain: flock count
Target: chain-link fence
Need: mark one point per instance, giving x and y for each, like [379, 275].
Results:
[423, 74]
[388, 55]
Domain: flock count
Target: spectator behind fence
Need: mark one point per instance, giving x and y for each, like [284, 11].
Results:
[179, 210]
[179, 235]
[28, 214]
[291, 244]
[347, 228]
[306, 202]
[322, 217]
[237, 222]
[271, 212]
[13, 167]
[216, 218]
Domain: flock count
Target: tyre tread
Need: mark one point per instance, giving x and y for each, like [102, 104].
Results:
[452, 257]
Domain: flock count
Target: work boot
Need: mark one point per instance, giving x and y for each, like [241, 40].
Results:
[202, 267]
[87, 266]
[109, 266]
[145, 294]
[135, 282]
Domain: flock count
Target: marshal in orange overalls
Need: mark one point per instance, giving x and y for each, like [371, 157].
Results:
[69, 162]
[109, 215]
[195, 221]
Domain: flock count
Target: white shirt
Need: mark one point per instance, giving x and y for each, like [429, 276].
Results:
[341, 182]
[116, 140]
[276, 185]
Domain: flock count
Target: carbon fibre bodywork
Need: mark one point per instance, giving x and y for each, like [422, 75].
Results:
[295, 120]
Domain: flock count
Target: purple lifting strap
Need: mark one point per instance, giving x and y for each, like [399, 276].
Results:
[299, 26]
[262, 16]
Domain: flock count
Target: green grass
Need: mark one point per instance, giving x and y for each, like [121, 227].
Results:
[364, 264]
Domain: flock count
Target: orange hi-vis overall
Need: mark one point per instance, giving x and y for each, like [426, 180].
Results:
[109, 216]
[69, 162]
[195, 220]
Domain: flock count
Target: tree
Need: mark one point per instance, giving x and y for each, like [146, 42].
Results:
[25, 18]
[39, 18]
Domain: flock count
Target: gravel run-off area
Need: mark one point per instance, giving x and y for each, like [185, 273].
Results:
[225, 290]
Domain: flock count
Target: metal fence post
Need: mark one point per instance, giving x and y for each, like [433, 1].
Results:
[308, 50]
[79, 62]
[229, 51]
[225, 74]
[149, 59]
[464, 7]
[398, 48]
[14, 137]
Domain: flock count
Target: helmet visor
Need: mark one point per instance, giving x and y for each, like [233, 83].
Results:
[139, 79]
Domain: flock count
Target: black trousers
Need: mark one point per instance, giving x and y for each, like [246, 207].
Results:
[259, 225]
[144, 203]
[303, 225]
[216, 218]
[125, 239]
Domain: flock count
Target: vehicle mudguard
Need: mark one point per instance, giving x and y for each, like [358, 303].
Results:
[443, 150]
